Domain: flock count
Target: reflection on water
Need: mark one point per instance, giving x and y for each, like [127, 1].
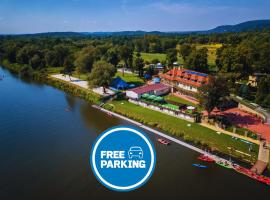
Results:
[44, 153]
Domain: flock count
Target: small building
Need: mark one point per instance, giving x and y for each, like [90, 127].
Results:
[255, 78]
[175, 64]
[159, 66]
[184, 81]
[155, 89]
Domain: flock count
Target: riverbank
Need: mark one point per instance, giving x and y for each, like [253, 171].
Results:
[190, 132]
[45, 77]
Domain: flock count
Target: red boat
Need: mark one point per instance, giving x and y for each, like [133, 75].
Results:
[251, 174]
[162, 141]
[205, 158]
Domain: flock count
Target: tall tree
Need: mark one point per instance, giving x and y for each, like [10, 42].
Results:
[101, 74]
[197, 60]
[213, 93]
[85, 59]
[68, 65]
[185, 50]
[139, 64]
[112, 56]
[263, 90]
[126, 54]
[171, 57]
[37, 62]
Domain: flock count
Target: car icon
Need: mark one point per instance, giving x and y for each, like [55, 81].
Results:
[135, 152]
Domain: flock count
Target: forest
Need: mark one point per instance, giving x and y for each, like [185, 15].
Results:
[234, 56]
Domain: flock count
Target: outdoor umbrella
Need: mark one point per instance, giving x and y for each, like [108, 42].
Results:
[145, 95]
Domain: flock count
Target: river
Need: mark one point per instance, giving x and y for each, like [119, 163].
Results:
[44, 153]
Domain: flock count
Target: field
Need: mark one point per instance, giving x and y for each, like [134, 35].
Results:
[160, 56]
[179, 128]
[212, 48]
[130, 78]
[172, 97]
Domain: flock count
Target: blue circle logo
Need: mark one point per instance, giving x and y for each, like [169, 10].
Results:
[123, 158]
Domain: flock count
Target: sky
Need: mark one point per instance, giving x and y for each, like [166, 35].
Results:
[35, 16]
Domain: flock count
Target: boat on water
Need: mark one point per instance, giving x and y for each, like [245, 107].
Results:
[163, 141]
[205, 158]
[224, 164]
[200, 166]
[251, 174]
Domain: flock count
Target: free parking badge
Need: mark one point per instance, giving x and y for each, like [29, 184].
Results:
[123, 158]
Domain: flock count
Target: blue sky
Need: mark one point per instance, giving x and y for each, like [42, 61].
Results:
[32, 16]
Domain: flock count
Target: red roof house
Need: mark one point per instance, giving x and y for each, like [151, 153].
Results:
[155, 89]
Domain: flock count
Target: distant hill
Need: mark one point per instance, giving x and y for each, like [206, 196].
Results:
[245, 26]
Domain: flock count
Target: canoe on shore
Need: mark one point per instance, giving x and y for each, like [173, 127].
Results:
[205, 158]
[224, 164]
[251, 174]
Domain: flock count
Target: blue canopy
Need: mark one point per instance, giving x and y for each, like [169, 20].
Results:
[119, 84]
[156, 80]
[147, 76]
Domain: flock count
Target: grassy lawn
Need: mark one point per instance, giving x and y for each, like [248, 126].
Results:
[160, 56]
[80, 76]
[172, 97]
[54, 70]
[130, 78]
[179, 127]
[212, 49]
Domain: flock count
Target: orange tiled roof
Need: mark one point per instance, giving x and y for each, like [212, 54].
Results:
[186, 76]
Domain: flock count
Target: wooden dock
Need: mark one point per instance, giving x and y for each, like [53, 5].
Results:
[263, 158]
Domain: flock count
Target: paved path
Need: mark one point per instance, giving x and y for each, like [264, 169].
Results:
[230, 133]
[263, 159]
[83, 84]
[71, 79]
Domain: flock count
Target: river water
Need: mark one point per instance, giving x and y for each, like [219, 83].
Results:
[44, 153]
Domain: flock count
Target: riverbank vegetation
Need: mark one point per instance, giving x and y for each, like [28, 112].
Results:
[188, 131]
[235, 56]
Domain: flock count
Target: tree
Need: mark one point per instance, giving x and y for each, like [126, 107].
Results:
[213, 94]
[101, 74]
[50, 58]
[263, 90]
[37, 62]
[68, 65]
[185, 50]
[139, 64]
[244, 91]
[171, 57]
[113, 56]
[22, 56]
[61, 52]
[85, 59]
[197, 60]
[126, 54]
